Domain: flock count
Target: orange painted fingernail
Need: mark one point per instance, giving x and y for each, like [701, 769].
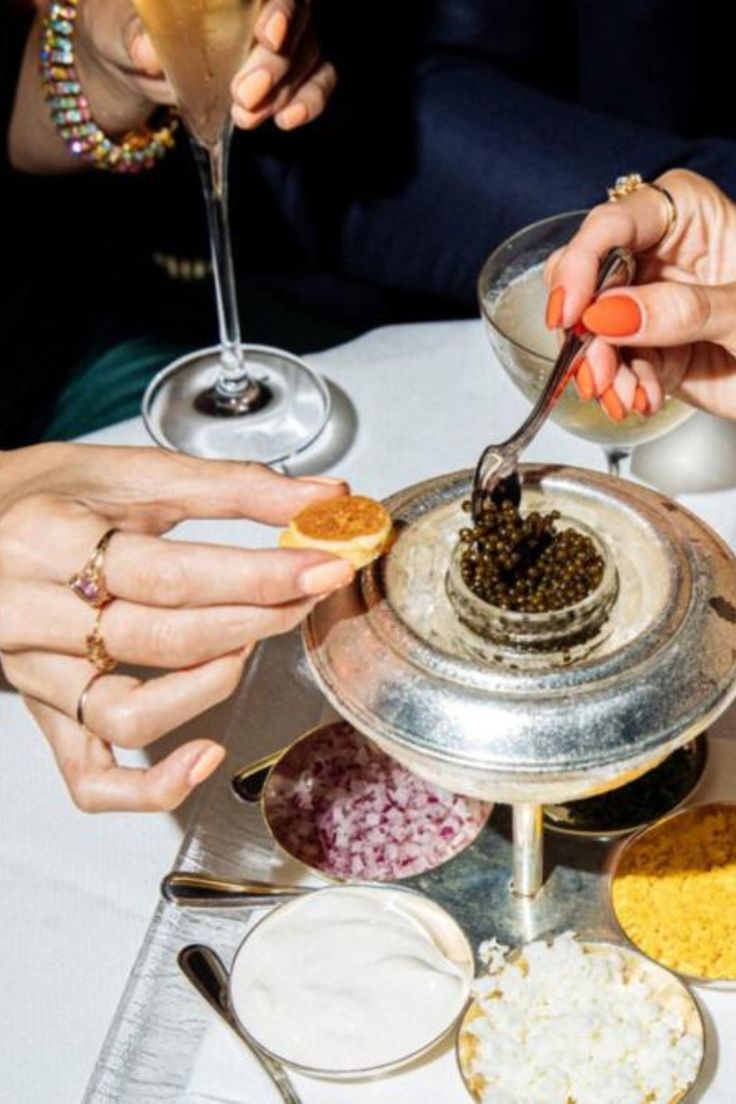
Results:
[612, 405]
[555, 305]
[276, 29]
[641, 402]
[614, 316]
[584, 378]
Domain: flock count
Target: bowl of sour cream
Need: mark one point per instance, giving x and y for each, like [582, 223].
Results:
[351, 981]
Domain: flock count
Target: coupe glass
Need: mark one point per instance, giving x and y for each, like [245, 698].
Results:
[233, 401]
[512, 297]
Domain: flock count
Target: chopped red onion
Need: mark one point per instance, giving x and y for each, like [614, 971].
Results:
[340, 805]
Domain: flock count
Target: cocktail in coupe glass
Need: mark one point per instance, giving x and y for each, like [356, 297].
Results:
[512, 297]
[233, 401]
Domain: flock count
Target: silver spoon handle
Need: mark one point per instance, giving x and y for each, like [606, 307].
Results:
[181, 887]
[206, 972]
[617, 269]
[498, 462]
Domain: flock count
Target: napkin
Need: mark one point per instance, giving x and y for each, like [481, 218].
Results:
[225, 1072]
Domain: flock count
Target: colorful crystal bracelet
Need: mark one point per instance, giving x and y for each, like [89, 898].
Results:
[70, 110]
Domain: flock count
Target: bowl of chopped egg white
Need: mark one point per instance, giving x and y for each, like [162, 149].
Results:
[351, 981]
[673, 892]
[574, 1021]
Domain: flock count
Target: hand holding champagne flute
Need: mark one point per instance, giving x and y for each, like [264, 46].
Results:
[231, 401]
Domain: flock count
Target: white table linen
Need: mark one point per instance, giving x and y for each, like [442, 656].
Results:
[78, 891]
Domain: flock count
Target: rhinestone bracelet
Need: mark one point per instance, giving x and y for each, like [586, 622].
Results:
[70, 110]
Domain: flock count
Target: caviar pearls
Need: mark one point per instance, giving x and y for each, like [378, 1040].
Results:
[524, 564]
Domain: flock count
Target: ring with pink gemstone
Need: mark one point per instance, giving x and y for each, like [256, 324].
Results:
[89, 584]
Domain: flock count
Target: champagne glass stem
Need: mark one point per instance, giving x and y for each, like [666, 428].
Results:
[615, 457]
[234, 383]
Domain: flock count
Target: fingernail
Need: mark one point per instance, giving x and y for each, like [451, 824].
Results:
[614, 316]
[612, 405]
[584, 379]
[326, 577]
[253, 87]
[276, 29]
[321, 480]
[205, 764]
[555, 305]
[292, 116]
[641, 402]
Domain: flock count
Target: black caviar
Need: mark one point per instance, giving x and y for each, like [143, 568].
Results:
[525, 564]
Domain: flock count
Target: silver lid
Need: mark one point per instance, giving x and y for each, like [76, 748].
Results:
[392, 657]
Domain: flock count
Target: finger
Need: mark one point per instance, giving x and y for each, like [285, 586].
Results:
[272, 28]
[155, 572]
[310, 100]
[597, 370]
[96, 782]
[647, 365]
[125, 711]
[281, 77]
[52, 619]
[664, 314]
[618, 400]
[637, 222]
[150, 489]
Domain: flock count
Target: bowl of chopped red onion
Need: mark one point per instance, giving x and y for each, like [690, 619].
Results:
[343, 808]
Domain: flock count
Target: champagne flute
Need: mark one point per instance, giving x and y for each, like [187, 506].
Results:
[512, 297]
[233, 401]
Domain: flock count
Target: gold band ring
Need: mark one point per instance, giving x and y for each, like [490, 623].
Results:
[90, 584]
[632, 182]
[97, 652]
[83, 699]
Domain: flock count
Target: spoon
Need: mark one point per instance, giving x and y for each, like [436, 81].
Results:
[205, 970]
[182, 887]
[496, 476]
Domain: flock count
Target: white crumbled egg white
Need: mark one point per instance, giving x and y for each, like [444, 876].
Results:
[570, 1027]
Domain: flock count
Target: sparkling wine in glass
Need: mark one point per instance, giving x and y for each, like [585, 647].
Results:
[234, 401]
[512, 298]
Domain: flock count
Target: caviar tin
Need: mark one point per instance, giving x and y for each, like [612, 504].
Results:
[393, 658]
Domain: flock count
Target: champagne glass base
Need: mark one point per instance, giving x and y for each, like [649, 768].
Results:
[180, 411]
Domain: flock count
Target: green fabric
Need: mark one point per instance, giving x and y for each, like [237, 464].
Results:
[108, 388]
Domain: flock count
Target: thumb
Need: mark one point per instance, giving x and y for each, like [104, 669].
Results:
[664, 314]
[143, 55]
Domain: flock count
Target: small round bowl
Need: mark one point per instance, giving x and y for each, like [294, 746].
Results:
[669, 989]
[567, 632]
[635, 805]
[674, 820]
[292, 919]
[320, 803]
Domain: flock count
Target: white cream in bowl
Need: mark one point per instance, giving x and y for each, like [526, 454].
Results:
[351, 979]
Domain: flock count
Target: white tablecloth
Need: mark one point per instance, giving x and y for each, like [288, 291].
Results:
[77, 891]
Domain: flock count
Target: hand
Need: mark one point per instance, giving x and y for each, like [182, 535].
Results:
[678, 324]
[193, 609]
[284, 78]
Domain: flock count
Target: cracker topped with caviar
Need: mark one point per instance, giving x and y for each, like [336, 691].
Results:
[356, 528]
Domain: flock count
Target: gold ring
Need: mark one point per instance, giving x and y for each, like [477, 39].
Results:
[97, 653]
[90, 584]
[632, 182]
[83, 699]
